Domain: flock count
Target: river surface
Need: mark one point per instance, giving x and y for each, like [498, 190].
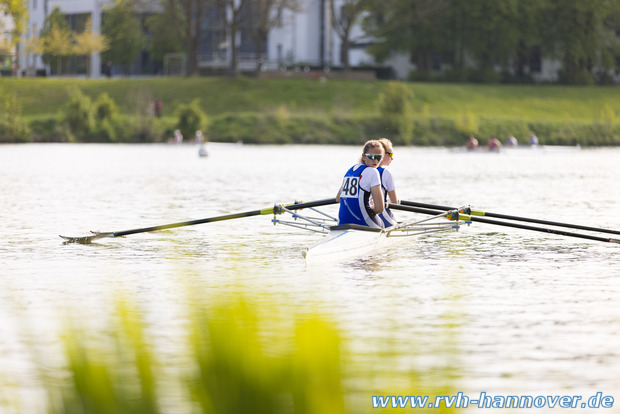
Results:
[505, 311]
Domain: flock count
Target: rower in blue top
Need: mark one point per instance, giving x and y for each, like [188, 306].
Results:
[387, 182]
[360, 196]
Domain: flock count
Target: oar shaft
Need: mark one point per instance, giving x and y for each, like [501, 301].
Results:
[264, 211]
[193, 222]
[515, 218]
[506, 224]
[542, 229]
[309, 204]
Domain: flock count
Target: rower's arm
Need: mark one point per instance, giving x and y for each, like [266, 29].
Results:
[338, 195]
[377, 195]
[393, 197]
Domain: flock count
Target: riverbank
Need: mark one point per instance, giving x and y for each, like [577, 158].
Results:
[320, 111]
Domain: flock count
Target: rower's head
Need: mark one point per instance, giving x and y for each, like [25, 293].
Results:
[388, 150]
[372, 154]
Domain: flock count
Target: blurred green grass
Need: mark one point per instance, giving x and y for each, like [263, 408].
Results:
[236, 355]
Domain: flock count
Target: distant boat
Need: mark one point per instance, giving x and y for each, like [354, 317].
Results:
[545, 148]
[520, 149]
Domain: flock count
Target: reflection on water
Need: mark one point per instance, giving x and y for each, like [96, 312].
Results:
[510, 311]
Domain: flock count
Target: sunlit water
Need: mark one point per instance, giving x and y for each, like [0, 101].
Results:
[505, 311]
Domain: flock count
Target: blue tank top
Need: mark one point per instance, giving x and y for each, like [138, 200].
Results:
[355, 202]
[387, 216]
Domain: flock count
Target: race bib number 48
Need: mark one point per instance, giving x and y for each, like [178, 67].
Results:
[350, 187]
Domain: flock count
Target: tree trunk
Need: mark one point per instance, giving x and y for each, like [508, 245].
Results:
[260, 46]
[344, 52]
[234, 66]
[521, 60]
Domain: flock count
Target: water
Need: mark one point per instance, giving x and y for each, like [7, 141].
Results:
[507, 311]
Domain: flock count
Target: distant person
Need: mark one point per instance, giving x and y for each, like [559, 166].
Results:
[108, 69]
[512, 142]
[159, 108]
[387, 182]
[360, 183]
[200, 138]
[472, 143]
[533, 139]
[494, 144]
[178, 137]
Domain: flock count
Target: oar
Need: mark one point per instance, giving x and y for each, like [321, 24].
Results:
[269, 210]
[465, 217]
[476, 212]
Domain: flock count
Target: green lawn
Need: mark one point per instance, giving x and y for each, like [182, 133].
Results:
[336, 111]
[221, 95]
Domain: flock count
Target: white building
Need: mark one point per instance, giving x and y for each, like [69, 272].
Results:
[38, 10]
[6, 39]
[305, 37]
[308, 37]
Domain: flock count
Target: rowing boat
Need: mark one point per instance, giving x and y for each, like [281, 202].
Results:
[348, 242]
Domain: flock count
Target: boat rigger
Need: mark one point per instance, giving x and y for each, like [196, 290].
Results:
[345, 242]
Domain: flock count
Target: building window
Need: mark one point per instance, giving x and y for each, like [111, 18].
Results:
[535, 60]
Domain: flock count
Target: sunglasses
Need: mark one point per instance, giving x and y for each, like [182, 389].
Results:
[374, 157]
[391, 154]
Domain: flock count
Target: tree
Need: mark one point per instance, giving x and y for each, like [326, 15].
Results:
[56, 38]
[34, 45]
[87, 43]
[234, 13]
[530, 20]
[343, 22]
[263, 16]
[193, 15]
[57, 42]
[178, 28]
[420, 28]
[18, 10]
[584, 36]
[165, 30]
[124, 33]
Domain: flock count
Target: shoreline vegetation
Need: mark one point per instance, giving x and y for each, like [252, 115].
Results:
[303, 111]
[241, 353]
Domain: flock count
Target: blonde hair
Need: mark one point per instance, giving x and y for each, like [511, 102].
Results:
[386, 143]
[373, 143]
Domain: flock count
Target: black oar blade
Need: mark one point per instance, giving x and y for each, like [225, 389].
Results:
[80, 240]
[86, 239]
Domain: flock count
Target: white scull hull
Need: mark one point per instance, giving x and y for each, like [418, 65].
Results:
[345, 244]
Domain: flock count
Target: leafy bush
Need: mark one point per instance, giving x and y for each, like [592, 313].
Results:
[78, 112]
[581, 77]
[395, 108]
[191, 118]
[484, 76]
[105, 108]
[140, 127]
[467, 123]
[12, 126]
[106, 131]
